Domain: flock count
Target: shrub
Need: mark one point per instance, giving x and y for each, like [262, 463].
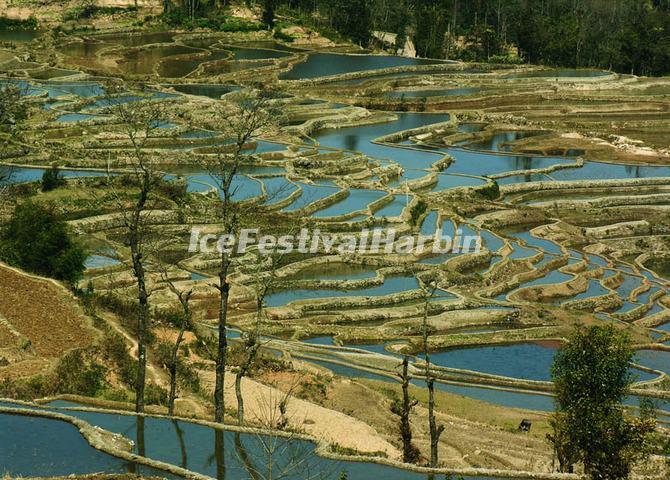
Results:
[490, 191]
[155, 395]
[280, 35]
[76, 374]
[417, 210]
[37, 240]
[15, 24]
[51, 179]
[115, 349]
[218, 22]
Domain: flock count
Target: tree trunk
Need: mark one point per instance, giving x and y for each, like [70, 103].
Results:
[219, 402]
[141, 349]
[435, 430]
[240, 399]
[408, 450]
[220, 454]
[173, 362]
[143, 313]
[173, 387]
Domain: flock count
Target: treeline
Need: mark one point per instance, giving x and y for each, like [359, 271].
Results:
[628, 36]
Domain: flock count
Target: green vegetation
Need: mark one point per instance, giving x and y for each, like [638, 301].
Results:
[79, 375]
[30, 23]
[592, 377]
[12, 109]
[417, 210]
[51, 179]
[37, 240]
[631, 36]
[268, 17]
[214, 20]
[88, 9]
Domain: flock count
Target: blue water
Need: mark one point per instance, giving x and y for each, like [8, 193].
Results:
[521, 252]
[244, 187]
[194, 447]
[429, 224]
[522, 179]
[529, 401]
[278, 189]
[491, 241]
[56, 89]
[394, 208]
[312, 193]
[470, 162]
[530, 361]
[550, 278]
[597, 260]
[358, 199]
[540, 243]
[603, 171]
[100, 261]
[435, 93]
[446, 181]
[656, 359]
[629, 284]
[112, 102]
[40, 447]
[498, 142]
[327, 64]
[390, 286]
[76, 117]
[24, 175]
[360, 139]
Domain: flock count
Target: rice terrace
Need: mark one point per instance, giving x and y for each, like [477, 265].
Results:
[335, 239]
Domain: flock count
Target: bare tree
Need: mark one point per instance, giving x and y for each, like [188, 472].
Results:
[284, 456]
[246, 117]
[265, 282]
[435, 429]
[184, 323]
[403, 408]
[139, 122]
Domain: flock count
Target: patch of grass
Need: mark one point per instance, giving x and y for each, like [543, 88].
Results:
[340, 450]
[469, 408]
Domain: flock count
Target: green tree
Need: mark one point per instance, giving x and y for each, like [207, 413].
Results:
[592, 377]
[51, 179]
[268, 17]
[37, 240]
[353, 19]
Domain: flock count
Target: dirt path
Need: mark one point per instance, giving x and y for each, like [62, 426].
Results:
[261, 405]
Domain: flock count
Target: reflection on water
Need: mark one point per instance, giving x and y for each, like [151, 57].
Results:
[327, 64]
[143, 62]
[19, 35]
[40, 447]
[216, 453]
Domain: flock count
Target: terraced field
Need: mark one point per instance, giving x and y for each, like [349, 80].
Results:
[561, 177]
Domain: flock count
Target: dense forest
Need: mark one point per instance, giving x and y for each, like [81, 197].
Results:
[622, 35]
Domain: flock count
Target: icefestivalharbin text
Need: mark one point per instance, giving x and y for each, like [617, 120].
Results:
[314, 241]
